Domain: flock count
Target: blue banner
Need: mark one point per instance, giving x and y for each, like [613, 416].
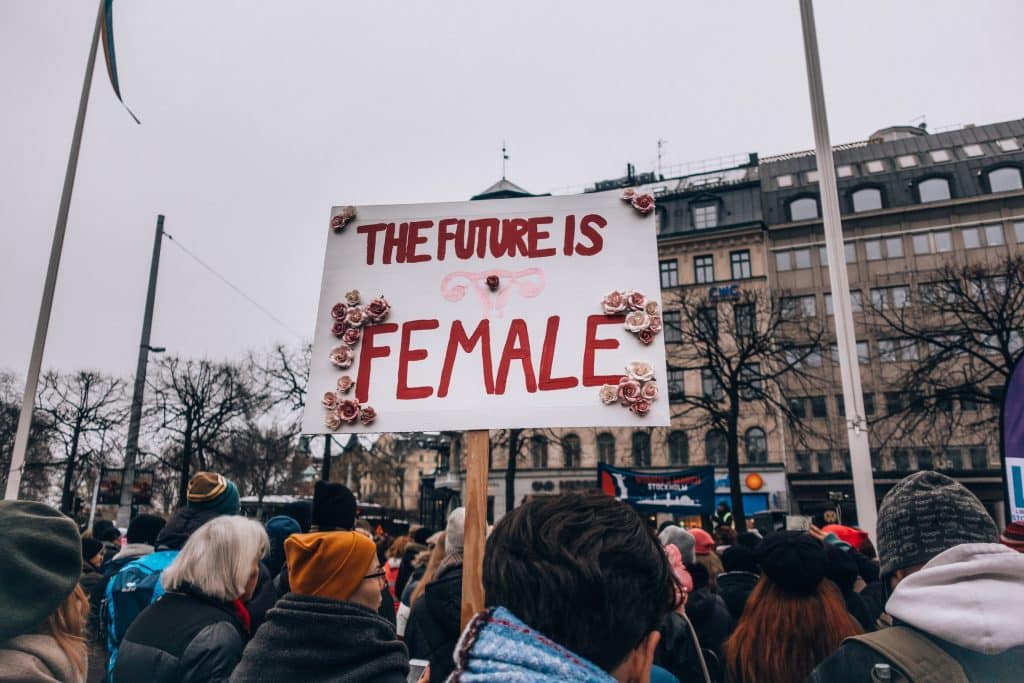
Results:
[684, 492]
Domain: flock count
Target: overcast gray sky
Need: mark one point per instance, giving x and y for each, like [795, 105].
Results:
[259, 116]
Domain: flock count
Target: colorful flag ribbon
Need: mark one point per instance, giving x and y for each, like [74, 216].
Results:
[107, 33]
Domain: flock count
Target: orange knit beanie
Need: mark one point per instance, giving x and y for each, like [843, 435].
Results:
[328, 564]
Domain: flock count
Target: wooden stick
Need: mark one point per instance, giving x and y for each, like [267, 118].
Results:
[477, 445]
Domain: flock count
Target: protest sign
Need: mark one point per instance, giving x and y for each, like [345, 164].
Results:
[1012, 423]
[685, 492]
[532, 312]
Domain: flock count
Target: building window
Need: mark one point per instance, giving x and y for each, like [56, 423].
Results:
[1004, 179]
[873, 250]
[893, 247]
[641, 449]
[893, 402]
[875, 166]
[851, 252]
[678, 449]
[984, 236]
[890, 247]
[606, 448]
[571, 450]
[973, 150]
[1018, 231]
[798, 407]
[740, 264]
[954, 458]
[750, 381]
[863, 353]
[783, 261]
[867, 199]
[803, 209]
[711, 387]
[993, 235]
[539, 451]
[819, 407]
[894, 350]
[715, 447]
[939, 155]
[979, 457]
[746, 320]
[797, 307]
[933, 190]
[704, 269]
[672, 322]
[890, 297]
[756, 444]
[869, 404]
[844, 171]
[669, 273]
[901, 459]
[811, 176]
[907, 161]
[705, 215]
[1008, 145]
[937, 242]
[856, 300]
[676, 385]
[785, 180]
[824, 459]
[925, 460]
[661, 219]
[801, 258]
[707, 324]
[803, 461]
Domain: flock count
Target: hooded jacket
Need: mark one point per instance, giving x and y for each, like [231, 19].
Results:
[968, 600]
[36, 657]
[312, 639]
[435, 623]
[499, 648]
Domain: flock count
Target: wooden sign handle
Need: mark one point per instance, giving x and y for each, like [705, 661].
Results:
[477, 447]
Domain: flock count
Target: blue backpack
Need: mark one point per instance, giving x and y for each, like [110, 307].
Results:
[129, 592]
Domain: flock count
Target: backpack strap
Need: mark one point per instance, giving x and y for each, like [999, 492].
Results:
[915, 655]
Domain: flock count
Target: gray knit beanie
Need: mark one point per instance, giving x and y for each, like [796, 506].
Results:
[926, 514]
[681, 539]
[455, 532]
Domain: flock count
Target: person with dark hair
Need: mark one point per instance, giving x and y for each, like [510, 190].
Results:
[793, 620]
[749, 539]
[739, 579]
[576, 587]
[841, 569]
[103, 530]
[327, 628]
[278, 529]
[435, 620]
[956, 594]
[707, 612]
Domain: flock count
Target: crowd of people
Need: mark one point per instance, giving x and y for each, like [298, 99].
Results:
[577, 588]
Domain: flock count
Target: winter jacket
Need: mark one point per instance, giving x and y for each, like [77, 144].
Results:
[734, 588]
[263, 598]
[677, 649]
[968, 600]
[36, 657]
[499, 648]
[710, 618]
[183, 636]
[435, 623]
[313, 640]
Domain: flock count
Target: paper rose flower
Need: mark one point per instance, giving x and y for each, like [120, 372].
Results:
[644, 203]
[377, 309]
[609, 394]
[330, 400]
[637, 321]
[340, 220]
[332, 421]
[640, 370]
[614, 302]
[645, 336]
[649, 391]
[656, 324]
[629, 391]
[652, 308]
[640, 408]
[339, 311]
[345, 384]
[356, 317]
[342, 356]
[367, 415]
[338, 328]
[352, 298]
[348, 411]
[351, 336]
[628, 194]
[493, 282]
[637, 301]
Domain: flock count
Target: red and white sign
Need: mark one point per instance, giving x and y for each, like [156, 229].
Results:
[489, 314]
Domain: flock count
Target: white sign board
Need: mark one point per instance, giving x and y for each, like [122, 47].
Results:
[496, 316]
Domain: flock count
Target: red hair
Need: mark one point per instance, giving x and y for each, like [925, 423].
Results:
[781, 638]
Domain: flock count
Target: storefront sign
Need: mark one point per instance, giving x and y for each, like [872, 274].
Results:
[685, 492]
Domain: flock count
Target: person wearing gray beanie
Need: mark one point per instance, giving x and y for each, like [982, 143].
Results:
[957, 593]
[681, 539]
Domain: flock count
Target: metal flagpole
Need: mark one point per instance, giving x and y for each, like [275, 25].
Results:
[856, 424]
[36, 361]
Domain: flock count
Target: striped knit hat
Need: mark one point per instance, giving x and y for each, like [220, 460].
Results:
[212, 491]
[1013, 536]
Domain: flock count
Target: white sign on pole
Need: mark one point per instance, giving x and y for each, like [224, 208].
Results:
[496, 316]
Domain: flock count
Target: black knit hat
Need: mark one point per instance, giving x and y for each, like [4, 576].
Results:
[334, 507]
[738, 558]
[145, 528]
[41, 553]
[104, 530]
[926, 514]
[793, 560]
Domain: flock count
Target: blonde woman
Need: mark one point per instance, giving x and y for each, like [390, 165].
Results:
[197, 630]
[42, 608]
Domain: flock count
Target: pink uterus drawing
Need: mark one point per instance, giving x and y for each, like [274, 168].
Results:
[527, 283]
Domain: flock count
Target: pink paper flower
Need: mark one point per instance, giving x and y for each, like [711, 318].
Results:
[640, 370]
[332, 420]
[493, 283]
[637, 320]
[637, 301]
[614, 302]
[367, 415]
[629, 391]
[340, 220]
[644, 203]
[609, 394]
[345, 384]
[628, 194]
[351, 336]
[348, 411]
[352, 298]
[339, 311]
[377, 309]
[652, 308]
[330, 400]
[655, 325]
[342, 356]
[645, 336]
[640, 408]
[338, 328]
[649, 391]
[356, 317]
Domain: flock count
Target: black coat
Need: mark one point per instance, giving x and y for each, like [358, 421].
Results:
[435, 623]
[179, 638]
[677, 650]
[314, 640]
[734, 588]
[710, 619]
